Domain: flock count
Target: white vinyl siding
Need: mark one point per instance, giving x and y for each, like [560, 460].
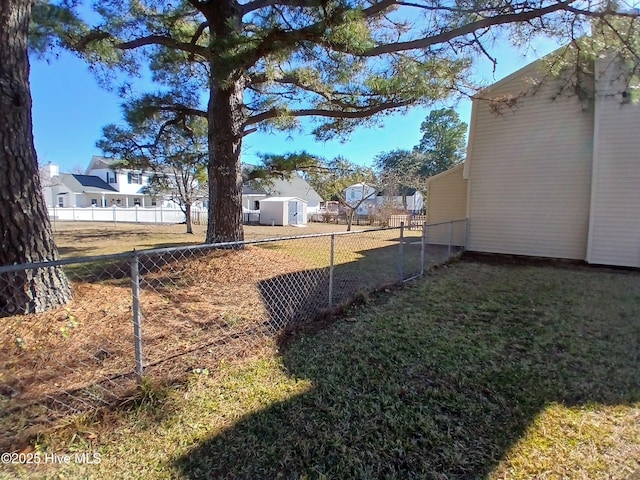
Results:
[530, 174]
[615, 216]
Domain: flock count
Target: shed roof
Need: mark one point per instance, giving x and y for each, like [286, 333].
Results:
[282, 199]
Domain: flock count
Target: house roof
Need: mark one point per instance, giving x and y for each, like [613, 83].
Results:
[528, 69]
[289, 185]
[445, 173]
[249, 189]
[85, 183]
[100, 162]
[405, 191]
[360, 185]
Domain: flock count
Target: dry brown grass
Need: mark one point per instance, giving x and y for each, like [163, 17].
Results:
[195, 311]
[97, 238]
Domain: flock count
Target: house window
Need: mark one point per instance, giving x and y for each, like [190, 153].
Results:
[61, 201]
[94, 202]
[134, 178]
[154, 202]
[136, 202]
[112, 177]
[256, 205]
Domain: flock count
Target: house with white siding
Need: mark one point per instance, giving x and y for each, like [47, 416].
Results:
[362, 197]
[129, 184]
[411, 200]
[102, 185]
[550, 175]
[291, 186]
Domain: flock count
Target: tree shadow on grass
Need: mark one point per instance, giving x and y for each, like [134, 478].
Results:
[442, 380]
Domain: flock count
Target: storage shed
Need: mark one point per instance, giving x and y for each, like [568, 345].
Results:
[283, 211]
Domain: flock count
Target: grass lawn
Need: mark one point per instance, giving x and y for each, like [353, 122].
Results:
[76, 239]
[477, 371]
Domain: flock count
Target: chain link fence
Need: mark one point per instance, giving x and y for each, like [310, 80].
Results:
[161, 313]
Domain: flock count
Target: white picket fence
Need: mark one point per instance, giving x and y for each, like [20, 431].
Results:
[155, 215]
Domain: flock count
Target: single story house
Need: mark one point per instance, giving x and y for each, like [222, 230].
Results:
[550, 175]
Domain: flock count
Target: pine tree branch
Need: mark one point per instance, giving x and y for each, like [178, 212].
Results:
[198, 33]
[328, 95]
[278, 39]
[182, 109]
[362, 112]
[467, 29]
[164, 41]
[258, 4]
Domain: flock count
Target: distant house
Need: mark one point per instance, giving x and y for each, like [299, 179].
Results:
[374, 199]
[410, 198]
[552, 175]
[129, 183]
[362, 197]
[295, 186]
[102, 185]
[74, 190]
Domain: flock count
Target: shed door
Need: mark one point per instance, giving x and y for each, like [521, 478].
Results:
[294, 218]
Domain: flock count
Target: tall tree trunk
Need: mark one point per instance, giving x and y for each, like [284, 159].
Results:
[25, 230]
[225, 178]
[226, 117]
[187, 216]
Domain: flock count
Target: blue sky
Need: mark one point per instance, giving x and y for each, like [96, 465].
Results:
[70, 109]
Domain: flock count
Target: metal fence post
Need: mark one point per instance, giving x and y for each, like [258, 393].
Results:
[423, 241]
[450, 239]
[331, 263]
[401, 253]
[137, 335]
